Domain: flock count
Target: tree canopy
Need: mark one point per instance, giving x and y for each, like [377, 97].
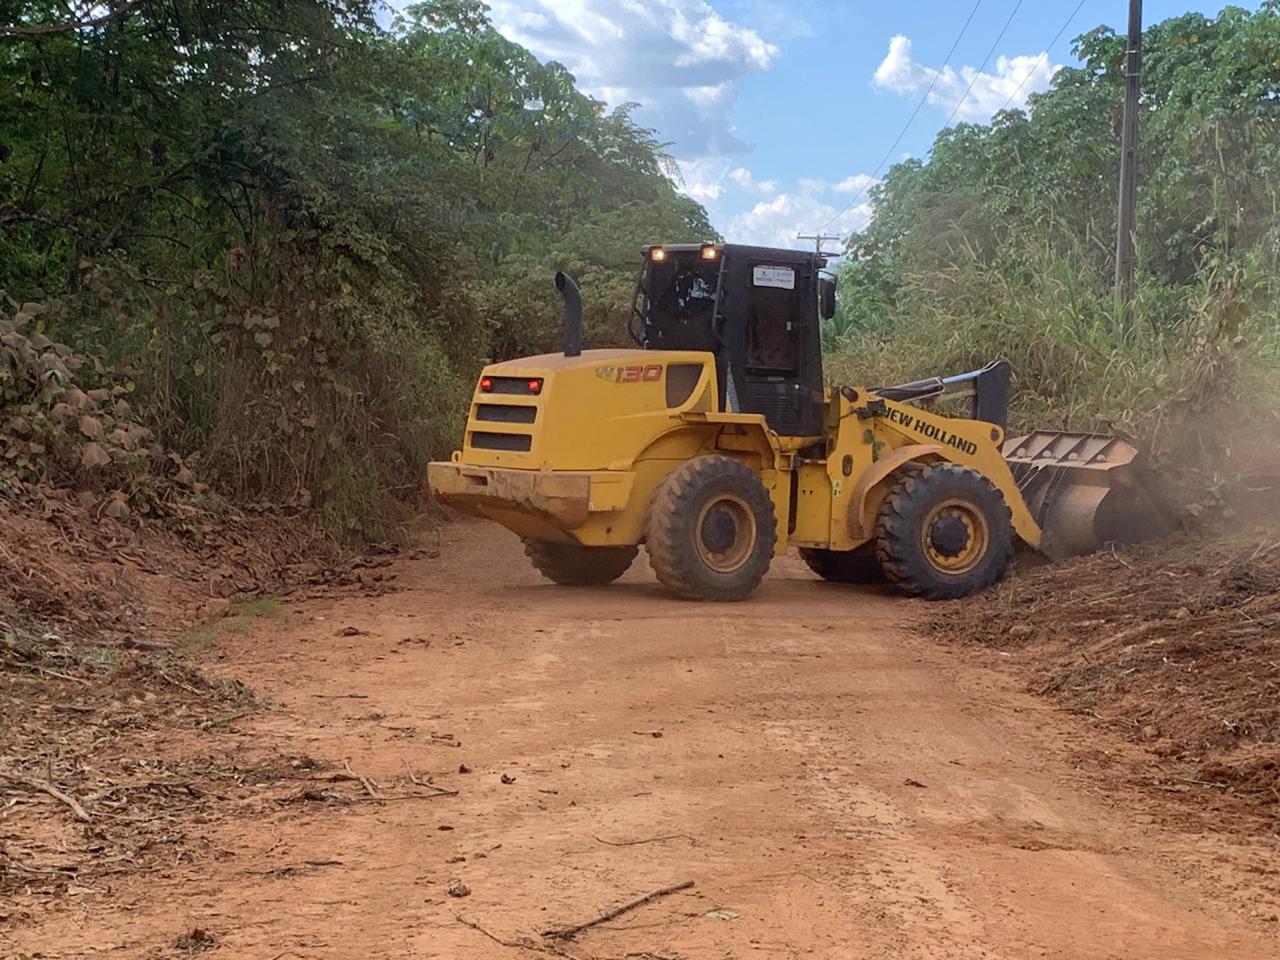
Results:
[301, 232]
[1000, 244]
[1209, 169]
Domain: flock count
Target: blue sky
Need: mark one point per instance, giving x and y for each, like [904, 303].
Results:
[779, 112]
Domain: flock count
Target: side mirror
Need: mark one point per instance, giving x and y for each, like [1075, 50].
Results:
[826, 297]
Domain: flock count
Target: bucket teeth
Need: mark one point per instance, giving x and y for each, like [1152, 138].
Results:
[1087, 489]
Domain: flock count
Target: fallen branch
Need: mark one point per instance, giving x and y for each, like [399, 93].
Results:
[479, 929]
[61, 676]
[522, 943]
[563, 933]
[632, 843]
[180, 685]
[439, 791]
[44, 786]
[1202, 783]
[370, 787]
[35, 871]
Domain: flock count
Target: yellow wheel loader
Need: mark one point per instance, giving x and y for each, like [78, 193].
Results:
[716, 445]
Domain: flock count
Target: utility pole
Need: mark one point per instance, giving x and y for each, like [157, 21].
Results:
[1126, 241]
[818, 239]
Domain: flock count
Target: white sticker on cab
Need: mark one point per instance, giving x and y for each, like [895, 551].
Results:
[784, 278]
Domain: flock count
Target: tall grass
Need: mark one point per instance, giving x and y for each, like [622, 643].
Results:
[1191, 362]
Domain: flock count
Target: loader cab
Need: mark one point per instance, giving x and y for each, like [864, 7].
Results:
[757, 309]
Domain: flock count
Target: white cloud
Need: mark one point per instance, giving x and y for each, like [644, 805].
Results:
[710, 97]
[707, 179]
[679, 59]
[1015, 77]
[775, 222]
[858, 183]
[772, 217]
[743, 178]
[703, 178]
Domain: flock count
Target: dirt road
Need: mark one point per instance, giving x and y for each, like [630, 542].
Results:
[834, 786]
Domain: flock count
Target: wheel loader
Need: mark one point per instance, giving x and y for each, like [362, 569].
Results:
[716, 445]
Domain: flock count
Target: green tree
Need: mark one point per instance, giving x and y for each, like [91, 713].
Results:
[301, 233]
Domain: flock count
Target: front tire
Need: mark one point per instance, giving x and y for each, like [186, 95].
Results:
[944, 532]
[711, 530]
[573, 565]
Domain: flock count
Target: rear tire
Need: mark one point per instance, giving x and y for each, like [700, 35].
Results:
[944, 532]
[711, 530]
[573, 565]
[845, 566]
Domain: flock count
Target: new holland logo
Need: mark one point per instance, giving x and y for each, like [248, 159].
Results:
[636, 373]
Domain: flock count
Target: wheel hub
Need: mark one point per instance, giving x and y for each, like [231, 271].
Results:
[949, 536]
[718, 530]
[955, 536]
[725, 533]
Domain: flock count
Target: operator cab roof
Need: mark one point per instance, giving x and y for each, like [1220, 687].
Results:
[742, 250]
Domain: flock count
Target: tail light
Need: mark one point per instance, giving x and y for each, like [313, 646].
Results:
[511, 385]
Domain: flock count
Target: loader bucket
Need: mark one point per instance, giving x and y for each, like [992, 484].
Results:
[1085, 490]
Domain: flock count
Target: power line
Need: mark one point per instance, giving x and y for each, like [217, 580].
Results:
[1036, 66]
[985, 60]
[1018, 89]
[911, 119]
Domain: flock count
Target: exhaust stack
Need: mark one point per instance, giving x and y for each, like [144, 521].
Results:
[572, 315]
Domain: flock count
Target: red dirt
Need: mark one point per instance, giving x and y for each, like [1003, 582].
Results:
[1173, 645]
[834, 785]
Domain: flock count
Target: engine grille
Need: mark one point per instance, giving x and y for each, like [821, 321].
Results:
[506, 413]
[513, 442]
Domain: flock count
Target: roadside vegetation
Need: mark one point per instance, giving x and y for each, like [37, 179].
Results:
[1001, 244]
[272, 240]
[293, 234]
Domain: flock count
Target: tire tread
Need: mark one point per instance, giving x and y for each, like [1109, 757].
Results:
[673, 558]
[896, 540]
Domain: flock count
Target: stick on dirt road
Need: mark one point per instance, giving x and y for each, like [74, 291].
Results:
[564, 933]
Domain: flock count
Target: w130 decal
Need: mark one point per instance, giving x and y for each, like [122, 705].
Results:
[632, 374]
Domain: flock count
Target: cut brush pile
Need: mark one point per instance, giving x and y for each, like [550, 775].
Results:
[109, 550]
[1177, 644]
[66, 422]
